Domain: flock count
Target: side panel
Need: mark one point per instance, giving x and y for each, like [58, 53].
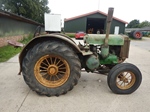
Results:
[75, 25]
[117, 23]
[99, 39]
[125, 49]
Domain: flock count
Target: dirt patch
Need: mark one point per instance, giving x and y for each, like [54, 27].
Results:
[3, 41]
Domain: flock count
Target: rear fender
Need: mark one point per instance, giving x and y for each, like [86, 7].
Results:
[58, 37]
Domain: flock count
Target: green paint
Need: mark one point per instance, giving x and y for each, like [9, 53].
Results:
[80, 24]
[99, 39]
[92, 62]
[104, 51]
[111, 59]
[12, 27]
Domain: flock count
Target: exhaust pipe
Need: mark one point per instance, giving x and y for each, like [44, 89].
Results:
[109, 20]
[105, 47]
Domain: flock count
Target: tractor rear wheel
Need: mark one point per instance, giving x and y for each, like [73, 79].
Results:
[51, 68]
[136, 34]
[124, 78]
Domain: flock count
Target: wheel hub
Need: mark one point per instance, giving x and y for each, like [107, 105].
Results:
[123, 78]
[52, 70]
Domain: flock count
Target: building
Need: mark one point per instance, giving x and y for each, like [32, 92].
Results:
[92, 22]
[12, 24]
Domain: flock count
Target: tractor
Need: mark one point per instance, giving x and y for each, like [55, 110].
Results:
[51, 63]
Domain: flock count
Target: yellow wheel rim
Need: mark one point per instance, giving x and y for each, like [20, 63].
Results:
[125, 80]
[51, 71]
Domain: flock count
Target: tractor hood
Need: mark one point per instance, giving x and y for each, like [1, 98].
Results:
[99, 39]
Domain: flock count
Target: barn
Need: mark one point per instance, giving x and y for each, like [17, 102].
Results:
[93, 21]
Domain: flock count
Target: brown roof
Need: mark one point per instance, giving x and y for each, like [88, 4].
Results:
[90, 13]
[19, 18]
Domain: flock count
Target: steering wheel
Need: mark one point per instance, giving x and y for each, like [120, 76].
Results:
[37, 31]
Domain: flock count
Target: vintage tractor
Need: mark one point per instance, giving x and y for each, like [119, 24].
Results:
[51, 63]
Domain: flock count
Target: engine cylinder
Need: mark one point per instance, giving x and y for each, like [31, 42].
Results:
[92, 62]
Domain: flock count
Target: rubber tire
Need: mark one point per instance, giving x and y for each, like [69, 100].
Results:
[112, 70]
[57, 48]
[111, 79]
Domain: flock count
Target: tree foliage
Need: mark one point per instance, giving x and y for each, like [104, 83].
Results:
[32, 9]
[136, 24]
[133, 24]
[144, 24]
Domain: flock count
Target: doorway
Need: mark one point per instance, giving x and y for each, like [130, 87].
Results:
[95, 24]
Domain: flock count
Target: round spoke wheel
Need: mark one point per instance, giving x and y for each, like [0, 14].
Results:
[124, 78]
[51, 71]
[51, 68]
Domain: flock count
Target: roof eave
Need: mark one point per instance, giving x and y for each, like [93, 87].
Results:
[90, 13]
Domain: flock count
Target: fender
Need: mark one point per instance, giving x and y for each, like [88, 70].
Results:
[47, 37]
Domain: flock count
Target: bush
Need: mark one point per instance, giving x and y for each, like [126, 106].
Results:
[71, 35]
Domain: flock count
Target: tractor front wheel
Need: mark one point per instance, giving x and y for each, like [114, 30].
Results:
[124, 78]
[51, 68]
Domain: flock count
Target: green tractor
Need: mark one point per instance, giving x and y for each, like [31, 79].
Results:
[51, 63]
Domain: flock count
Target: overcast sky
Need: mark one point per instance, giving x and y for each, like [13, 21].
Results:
[126, 10]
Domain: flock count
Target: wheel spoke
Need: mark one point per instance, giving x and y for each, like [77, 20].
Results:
[45, 63]
[62, 68]
[43, 74]
[62, 72]
[118, 81]
[54, 80]
[50, 78]
[55, 61]
[121, 83]
[124, 84]
[51, 61]
[126, 74]
[57, 77]
[58, 62]
[45, 68]
[61, 65]
[129, 77]
[129, 80]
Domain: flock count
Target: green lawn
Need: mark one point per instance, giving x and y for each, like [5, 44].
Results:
[8, 51]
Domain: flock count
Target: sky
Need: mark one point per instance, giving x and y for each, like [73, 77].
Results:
[126, 10]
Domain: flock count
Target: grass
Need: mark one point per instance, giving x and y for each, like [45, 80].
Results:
[8, 51]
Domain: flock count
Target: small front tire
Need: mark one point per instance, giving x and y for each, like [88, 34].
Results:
[124, 78]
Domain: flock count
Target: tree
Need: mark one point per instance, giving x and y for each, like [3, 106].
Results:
[32, 9]
[144, 24]
[133, 24]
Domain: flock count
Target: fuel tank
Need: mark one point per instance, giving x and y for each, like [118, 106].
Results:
[100, 38]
